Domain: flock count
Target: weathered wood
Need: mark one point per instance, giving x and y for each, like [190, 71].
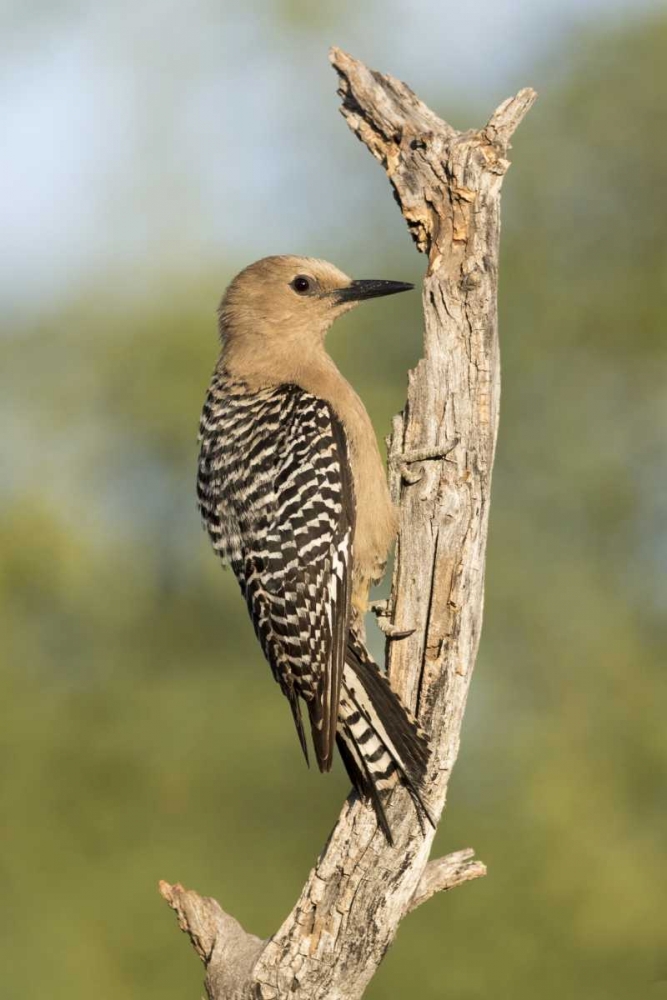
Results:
[446, 873]
[447, 184]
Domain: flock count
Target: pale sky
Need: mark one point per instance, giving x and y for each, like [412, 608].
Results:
[138, 135]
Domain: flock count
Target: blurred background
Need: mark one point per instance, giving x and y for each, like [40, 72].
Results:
[149, 150]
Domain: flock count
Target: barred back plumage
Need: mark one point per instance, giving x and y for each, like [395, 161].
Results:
[272, 490]
[277, 499]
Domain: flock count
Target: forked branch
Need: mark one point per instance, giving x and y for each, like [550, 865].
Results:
[441, 450]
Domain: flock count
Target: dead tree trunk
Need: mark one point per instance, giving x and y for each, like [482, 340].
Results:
[441, 453]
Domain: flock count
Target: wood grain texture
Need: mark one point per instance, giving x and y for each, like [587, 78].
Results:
[441, 450]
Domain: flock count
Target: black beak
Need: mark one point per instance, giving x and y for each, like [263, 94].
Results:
[356, 291]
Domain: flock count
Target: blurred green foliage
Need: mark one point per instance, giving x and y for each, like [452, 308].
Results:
[141, 734]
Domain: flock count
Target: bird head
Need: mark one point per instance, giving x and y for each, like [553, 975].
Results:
[288, 303]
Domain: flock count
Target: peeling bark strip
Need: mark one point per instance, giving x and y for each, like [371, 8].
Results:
[447, 184]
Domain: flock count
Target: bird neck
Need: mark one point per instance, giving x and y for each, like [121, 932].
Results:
[262, 364]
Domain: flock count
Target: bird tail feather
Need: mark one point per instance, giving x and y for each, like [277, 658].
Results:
[380, 742]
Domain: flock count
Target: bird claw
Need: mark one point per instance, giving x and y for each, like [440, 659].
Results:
[392, 631]
[410, 477]
[381, 611]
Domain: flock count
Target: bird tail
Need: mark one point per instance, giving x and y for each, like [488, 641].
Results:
[380, 742]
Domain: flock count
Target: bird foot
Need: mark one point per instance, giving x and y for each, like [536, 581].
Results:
[403, 460]
[381, 611]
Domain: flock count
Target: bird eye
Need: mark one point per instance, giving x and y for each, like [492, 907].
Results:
[301, 284]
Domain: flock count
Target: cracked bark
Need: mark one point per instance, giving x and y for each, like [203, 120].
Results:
[441, 449]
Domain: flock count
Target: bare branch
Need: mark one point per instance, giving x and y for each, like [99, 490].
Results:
[227, 951]
[446, 873]
[441, 451]
[506, 119]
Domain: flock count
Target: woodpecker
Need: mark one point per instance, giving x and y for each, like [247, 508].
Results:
[293, 495]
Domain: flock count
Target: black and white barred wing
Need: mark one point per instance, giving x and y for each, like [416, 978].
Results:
[276, 496]
[311, 540]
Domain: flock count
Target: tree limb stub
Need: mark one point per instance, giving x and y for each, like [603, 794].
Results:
[447, 184]
[446, 873]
